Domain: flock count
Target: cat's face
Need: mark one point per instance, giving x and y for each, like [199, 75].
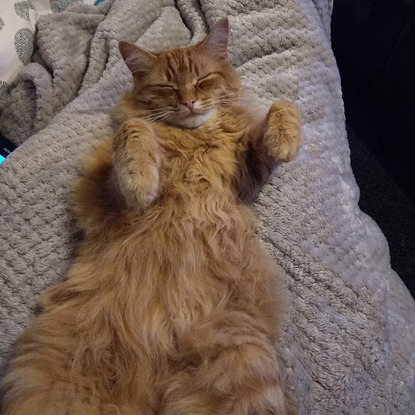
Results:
[183, 86]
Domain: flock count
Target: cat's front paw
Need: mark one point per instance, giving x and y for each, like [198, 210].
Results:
[136, 163]
[283, 131]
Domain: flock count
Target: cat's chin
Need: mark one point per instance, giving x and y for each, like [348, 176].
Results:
[191, 121]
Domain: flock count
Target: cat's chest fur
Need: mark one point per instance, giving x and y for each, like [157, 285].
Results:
[198, 222]
[207, 155]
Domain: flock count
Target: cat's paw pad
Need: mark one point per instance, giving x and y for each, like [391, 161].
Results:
[283, 132]
[136, 163]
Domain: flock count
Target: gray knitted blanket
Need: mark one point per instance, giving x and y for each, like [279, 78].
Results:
[349, 337]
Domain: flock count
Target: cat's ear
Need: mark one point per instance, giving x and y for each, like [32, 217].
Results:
[217, 40]
[138, 60]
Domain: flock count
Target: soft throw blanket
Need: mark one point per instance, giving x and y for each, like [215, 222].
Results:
[17, 27]
[349, 338]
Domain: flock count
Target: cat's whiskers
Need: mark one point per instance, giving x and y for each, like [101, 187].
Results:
[157, 118]
[159, 115]
[156, 111]
[223, 99]
[217, 101]
[160, 112]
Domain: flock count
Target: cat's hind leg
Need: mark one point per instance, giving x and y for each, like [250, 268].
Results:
[230, 366]
[31, 388]
[44, 379]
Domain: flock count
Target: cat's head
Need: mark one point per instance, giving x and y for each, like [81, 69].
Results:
[183, 86]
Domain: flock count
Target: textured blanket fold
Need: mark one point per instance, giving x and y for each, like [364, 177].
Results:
[349, 336]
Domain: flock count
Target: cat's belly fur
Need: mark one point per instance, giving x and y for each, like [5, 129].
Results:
[127, 321]
[171, 285]
[146, 300]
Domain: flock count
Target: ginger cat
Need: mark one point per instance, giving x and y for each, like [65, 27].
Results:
[172, 306]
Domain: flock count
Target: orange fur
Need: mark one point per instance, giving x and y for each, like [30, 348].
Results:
[172, 306]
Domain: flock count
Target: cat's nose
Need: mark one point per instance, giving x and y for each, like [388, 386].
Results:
[189, 104]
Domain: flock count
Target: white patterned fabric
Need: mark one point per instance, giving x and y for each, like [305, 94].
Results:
[17, 28]
[349, 337]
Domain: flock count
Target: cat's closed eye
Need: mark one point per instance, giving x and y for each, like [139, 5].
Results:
[206, 81]
[162, 90]
[164, 86]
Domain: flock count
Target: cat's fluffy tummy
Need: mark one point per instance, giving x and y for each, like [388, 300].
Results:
[172, 306]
